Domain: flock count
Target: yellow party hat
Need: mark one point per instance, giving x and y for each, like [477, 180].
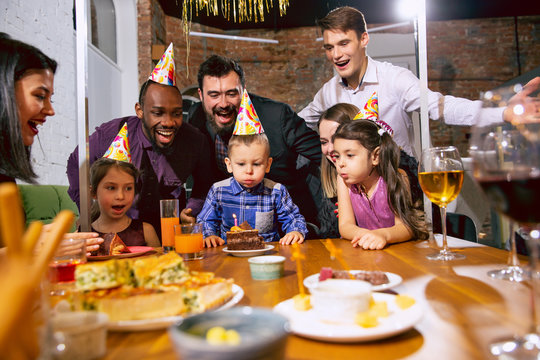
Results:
[119, 149]
[247, 121]
[164, 72]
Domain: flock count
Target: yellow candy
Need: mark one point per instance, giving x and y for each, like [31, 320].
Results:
[236, 229]
[366, 319]
[302, 302]
[219, 336]
[404, 301]
[233, 337]
[379, 309]
[216, 335]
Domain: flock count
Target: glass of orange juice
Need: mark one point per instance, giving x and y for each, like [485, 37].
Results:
[170, 216]
[188, 240]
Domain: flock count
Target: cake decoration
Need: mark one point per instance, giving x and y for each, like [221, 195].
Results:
[247, 121]
[119, 149]
[164, 72]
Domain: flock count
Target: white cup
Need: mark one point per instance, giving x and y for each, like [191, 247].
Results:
[339, 300]
[79, 335]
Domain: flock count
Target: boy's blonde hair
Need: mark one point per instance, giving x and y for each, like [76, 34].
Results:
[247, 140]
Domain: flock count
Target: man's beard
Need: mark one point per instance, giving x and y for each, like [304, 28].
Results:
[167, 150]
[222, 131]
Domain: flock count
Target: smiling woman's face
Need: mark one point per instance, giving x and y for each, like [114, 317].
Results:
[33, 94]
[327, 128]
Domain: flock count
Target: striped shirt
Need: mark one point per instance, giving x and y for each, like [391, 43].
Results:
[263, 207]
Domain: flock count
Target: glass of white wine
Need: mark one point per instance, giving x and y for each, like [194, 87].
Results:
[440, 173]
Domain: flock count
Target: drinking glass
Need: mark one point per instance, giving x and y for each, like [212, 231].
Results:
[507, 166]
[169, 210]
[440, 173]
[514, 271]
[188, 240]
[68, 255]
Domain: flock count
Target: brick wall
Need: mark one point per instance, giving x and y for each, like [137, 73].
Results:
[464, 58]
[50, 28]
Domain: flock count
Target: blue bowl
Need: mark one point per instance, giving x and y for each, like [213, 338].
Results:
[263, 335]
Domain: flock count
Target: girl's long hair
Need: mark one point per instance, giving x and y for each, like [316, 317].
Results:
[367, 133]
[16, 59]
[98, 170]
[340, 113]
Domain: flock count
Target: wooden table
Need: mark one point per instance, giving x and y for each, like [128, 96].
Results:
[465, 310]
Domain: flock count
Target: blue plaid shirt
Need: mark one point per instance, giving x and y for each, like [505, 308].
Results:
[263, 207]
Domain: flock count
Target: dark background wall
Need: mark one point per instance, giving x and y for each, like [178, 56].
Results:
[465, 57]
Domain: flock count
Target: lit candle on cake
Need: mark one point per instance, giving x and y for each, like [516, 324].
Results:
[235, 220]
[335, 253]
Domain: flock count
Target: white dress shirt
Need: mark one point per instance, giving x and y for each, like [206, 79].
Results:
[398, 96]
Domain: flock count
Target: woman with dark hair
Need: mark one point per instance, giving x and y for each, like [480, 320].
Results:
[26, 87]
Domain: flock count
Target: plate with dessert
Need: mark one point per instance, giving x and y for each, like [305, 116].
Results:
[150, 293]
[243, 240]
[379, 280]
[366, 326]
[113, 247]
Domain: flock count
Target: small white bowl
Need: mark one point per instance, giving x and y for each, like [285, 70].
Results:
[340, 299]
[266, 267]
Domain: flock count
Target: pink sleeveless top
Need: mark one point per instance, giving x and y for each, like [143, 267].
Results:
[373, 213]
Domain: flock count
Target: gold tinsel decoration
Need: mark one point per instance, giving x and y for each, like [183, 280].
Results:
[241, 11]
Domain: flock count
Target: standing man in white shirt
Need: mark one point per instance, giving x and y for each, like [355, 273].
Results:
[359, 77]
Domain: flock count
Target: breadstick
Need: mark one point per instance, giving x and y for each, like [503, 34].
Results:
[61, 224]
[31, 237]
[11, 218]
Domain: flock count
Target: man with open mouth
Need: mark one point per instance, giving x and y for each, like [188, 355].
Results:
[359, 78]
[221, 84]
[163, 147]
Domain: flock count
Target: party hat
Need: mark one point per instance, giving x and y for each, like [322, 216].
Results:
[119, 149]
[247, 121]
[164, 72]
[371, 112]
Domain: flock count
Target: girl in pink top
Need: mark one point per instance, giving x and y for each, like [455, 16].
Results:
[375, 206]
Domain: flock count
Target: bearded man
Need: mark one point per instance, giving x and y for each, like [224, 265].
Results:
[221, 84]
[164, 148]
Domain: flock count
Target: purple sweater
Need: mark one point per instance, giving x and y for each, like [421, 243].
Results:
[162, 176]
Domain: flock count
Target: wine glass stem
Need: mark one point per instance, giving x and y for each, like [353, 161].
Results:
[443, 227]
[534, 243]
[512, 257]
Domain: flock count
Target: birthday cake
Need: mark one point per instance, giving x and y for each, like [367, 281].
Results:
[244, 237]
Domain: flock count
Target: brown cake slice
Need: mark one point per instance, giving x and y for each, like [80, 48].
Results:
[111, 245]
[245, 239]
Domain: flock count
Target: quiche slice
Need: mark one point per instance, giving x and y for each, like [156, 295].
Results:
[148, 288]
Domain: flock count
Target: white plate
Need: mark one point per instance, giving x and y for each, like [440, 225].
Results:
[307, 323]
[242, 253]
[393, 280]
[164, 322]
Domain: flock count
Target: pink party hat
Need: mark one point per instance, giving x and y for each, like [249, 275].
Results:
[164, 72]
[371, 112]
[119, 149]
[247, 121]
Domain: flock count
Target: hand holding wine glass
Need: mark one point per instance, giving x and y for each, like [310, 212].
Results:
[507, 166]
[440, 173]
